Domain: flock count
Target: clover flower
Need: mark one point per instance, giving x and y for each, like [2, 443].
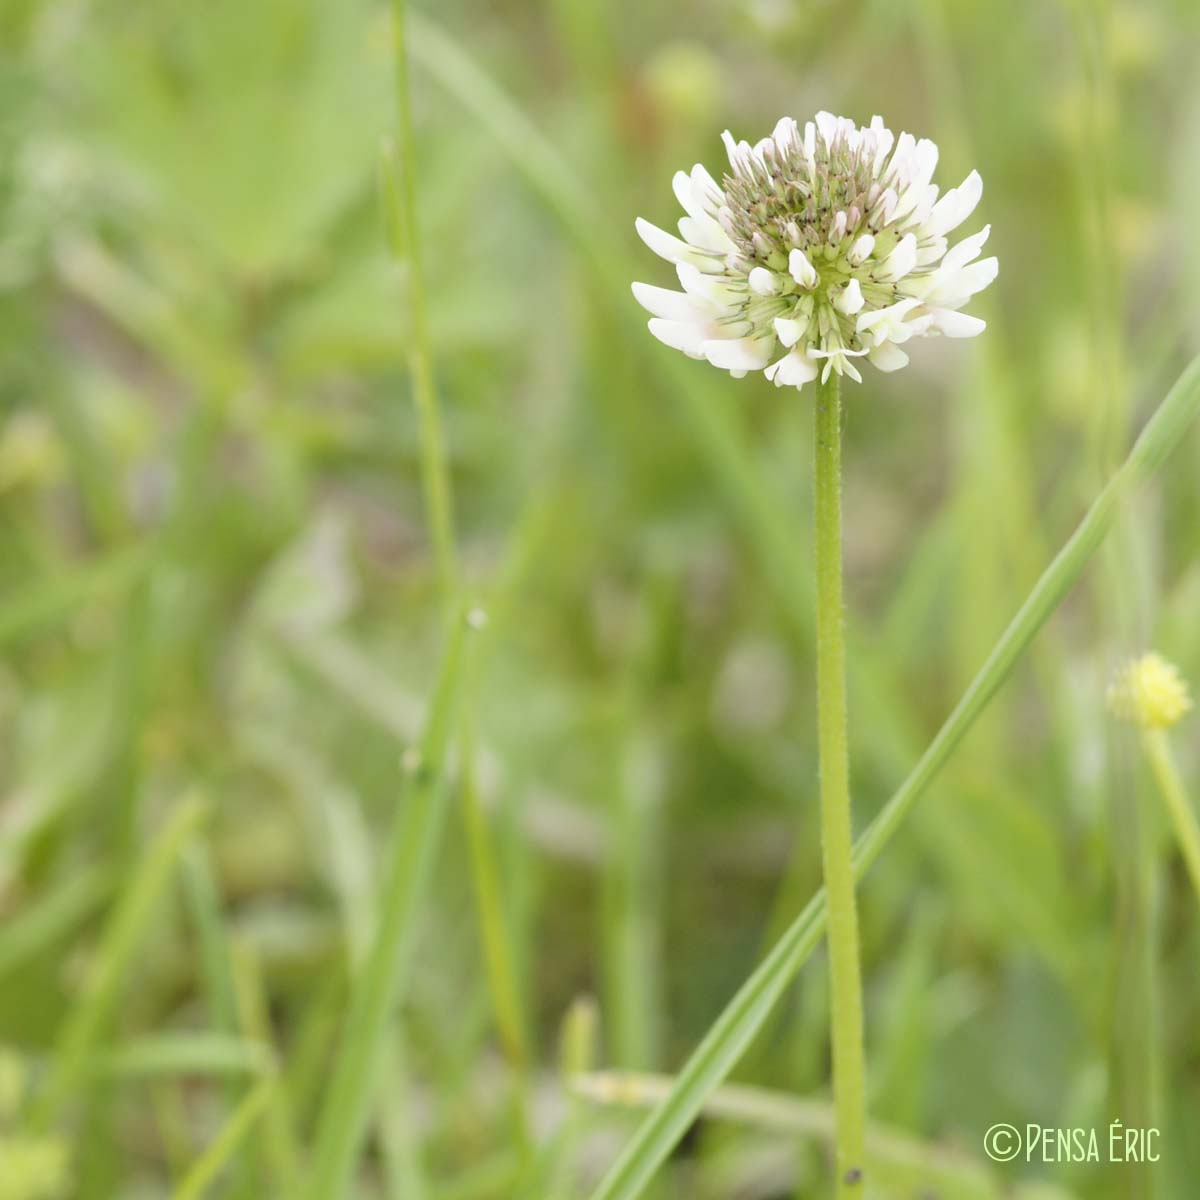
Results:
[1149, 692]
[829, 242]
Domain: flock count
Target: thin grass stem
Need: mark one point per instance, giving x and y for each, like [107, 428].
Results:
[435, 474]
[499, 954]
[212, 1162]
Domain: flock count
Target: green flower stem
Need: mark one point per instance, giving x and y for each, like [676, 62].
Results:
[837, 837]
[1183, 816]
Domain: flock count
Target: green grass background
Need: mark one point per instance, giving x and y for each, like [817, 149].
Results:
[221, 625]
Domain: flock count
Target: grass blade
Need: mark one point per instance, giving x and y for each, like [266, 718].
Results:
[216, 964]
[210, 1164]
[137, 907]
[40, 926]
[207, 1054]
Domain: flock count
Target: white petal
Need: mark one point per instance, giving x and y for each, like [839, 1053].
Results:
[917, 327]
[705, 233]
[741, 155]
[674, 306]
[861, 250]
[884, 206]
[785, 134]
[893, 312]
[763, 147]
[914, 189]
[706, 189]
[738, 354]
[788, 331]
[926, 199]
[966, 250]
[763, 282]
[810, 141]
[838, 360]
[888, 357]
[801, 269]
[681, 184]
[687, 336]
[890, 324]
[956, 288]
[794, 369]
[884, 140]
[930, 251]
[901, 260]
[925, 159]
[956, 324]
[827, 124]
[668, 246]
[955, 206]
[850, 299]
[714, 289]
[898, 169]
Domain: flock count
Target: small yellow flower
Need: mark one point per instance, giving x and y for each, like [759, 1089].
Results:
[1149, 692]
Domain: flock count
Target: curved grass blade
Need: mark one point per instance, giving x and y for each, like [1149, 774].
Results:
[736, 1026]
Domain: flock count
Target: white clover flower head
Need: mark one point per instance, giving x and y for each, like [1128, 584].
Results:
[829, 242]
[1149, 692]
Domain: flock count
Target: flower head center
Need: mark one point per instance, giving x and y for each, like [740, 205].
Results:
[782, 200]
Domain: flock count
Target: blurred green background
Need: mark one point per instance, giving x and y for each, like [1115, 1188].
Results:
[216, 587]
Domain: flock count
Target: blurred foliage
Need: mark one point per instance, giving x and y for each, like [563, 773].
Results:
[214, 575]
